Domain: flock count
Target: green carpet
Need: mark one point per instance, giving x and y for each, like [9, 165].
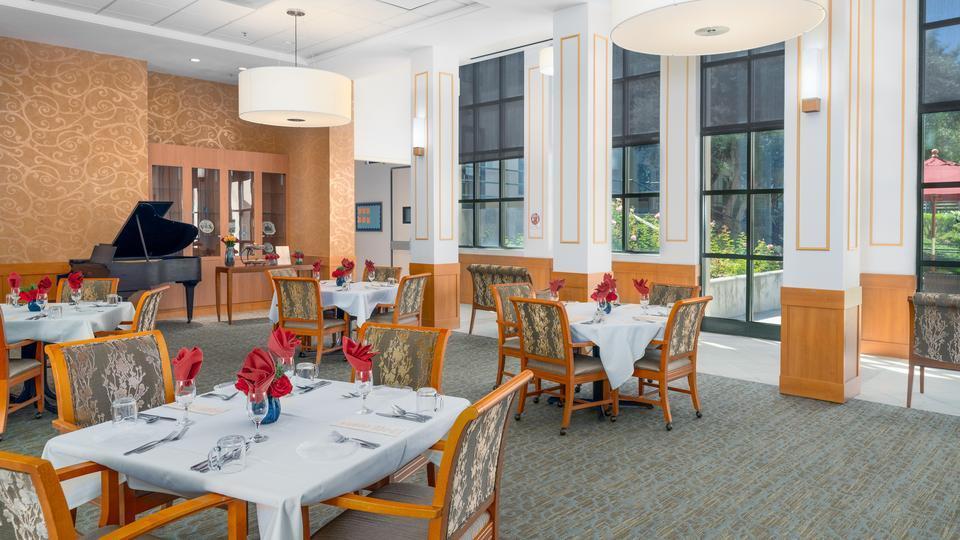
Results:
[757, 465]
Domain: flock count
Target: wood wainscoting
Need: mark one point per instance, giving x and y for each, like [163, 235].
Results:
[31, 273]
[675, 274]
[440, 306]
[886, 316]
[540, 270]
[820, 343]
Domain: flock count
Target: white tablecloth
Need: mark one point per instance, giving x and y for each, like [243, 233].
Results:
[74, 325]
[277, 479]
[360, 300]
[622, 338]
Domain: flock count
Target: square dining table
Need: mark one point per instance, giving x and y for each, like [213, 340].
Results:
[280, 475]
[360, 299]
[75, 324]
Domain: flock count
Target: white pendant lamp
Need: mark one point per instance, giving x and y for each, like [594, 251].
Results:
[295, 96]
[698, 27]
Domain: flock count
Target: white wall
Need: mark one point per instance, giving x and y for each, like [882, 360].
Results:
[401, 231]
[382, 116]
[372, 184]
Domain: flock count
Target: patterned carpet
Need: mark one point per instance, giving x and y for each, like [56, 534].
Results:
[757, 465]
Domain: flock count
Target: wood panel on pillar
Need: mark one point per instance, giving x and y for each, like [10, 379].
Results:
[578, 286]
[441, 303]
[819, 347]
[886, 315]
[674, 274]
[539, 270]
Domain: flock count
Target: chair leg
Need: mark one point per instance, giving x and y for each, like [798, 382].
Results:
[694, 394]
[522, 403]
[473, 316]
[568, 398]
[5, 405]
[38, 383]
[305, 518]
[921, 379]
[500, 365]
[431, 474]
[665, 404]
[909, 385]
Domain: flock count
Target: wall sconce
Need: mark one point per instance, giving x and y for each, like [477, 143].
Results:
[546, 61]
[419, 137]
[810, 90]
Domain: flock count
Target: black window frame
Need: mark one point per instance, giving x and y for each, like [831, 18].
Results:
[923, 110]
[747, 327]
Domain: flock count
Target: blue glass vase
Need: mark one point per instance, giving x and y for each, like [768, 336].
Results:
[341, 281]
[228, 259]
[34, 306]
[273, 413]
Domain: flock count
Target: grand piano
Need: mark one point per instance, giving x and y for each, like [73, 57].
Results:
[141, 253]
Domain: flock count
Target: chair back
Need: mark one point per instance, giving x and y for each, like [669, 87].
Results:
[282, 272]
[32, 503]
[544, 331]
[382, 273]
[92, 290]
[662, 294]
[410, 295]
[485, 275]
[145, 319]
[408, 356]
[935, 331]
[468, 482]
[682, 333]
[506, 313]
[90, 374]
[298, 300]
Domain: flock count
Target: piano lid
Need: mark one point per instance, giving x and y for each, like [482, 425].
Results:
[160, 236]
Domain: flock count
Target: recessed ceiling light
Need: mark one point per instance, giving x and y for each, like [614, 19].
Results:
[194, 59]
[241, 68]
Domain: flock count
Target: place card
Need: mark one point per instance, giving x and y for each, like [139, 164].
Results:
[648, 318]
[200, 408]
[360, 425]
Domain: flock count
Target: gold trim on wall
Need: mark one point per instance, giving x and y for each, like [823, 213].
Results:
[453, 157]
[426, 150]
[529, 144]
[561, 115]
[605, 204]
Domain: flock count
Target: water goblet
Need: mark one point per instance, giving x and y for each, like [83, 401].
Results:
[185, 391]
[364, 385]
[75, 295]
[257, 408]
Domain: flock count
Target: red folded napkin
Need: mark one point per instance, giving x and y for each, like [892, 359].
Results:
[368, 264]
[14, 280]
[283, 343]
[360, 357]
[187, 364]
[641, 287]
[339, 273]
[605, 290]
[29, 296]
[257, 374]
[44, 285]
[347, 264]
[75, 280]
[556, 285]
[317, 265]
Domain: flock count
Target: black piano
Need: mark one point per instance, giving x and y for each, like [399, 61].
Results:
[140, 254]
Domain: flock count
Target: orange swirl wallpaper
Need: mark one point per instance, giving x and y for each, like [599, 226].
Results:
[73, 148]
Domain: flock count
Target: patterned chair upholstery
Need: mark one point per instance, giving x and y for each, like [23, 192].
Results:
[472, 464]
[674, 357]
[92, 290]
[301, 311]
[282, 272]
[934, 335]
[407, 356]
[661, 294]
[485, 275]
[508, 331]
[15, 371]
[145, 318]
[408, 308]
[382, 273]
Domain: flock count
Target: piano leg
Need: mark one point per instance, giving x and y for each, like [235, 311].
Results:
[188, 287]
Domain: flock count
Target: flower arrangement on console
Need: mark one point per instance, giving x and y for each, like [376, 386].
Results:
[343, 272]
[271, 258]
[298, 257]
[229, 241]
[605, 293]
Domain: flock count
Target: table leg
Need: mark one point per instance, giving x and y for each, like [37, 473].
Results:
[217, 286]
[229, 298]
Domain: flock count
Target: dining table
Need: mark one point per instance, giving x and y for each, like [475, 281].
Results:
[297, 465]
[73, 324]
[359, 299]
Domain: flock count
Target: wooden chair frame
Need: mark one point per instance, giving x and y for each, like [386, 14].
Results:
[506, 330]
[566, 383]
[663, 377]
[915, 360]
[62, 282]
[133, 502]
[136, 315]
[320, 332]
[474, 305]
[393, 306]
[6, 381]
[438, 511]
[59, 519]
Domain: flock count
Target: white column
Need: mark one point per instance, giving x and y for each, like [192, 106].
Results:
[538, 152]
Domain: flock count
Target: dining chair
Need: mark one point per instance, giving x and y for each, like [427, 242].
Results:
[483, 276]
[548, 350]
[33, 506]
[673, 357]
[14, 371]
[92, 290]
[662, 294]
[382, 273]
[145, 317]
[508, 331]
[407, 356]
[90, 374]
[408, 308]
[301, 311]
[465, 501]
[934, 335]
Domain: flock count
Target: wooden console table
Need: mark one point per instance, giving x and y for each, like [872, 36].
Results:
[230, 271]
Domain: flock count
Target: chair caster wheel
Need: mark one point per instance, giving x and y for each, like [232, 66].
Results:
[516, 417]
[559, 404]
[38, 415]
[699, 414]
[563, 431]
[613, 418]
[669, 426]
[536, 399]
[577, 388]
[606, 412]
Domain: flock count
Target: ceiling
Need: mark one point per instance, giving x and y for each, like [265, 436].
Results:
[352, 36]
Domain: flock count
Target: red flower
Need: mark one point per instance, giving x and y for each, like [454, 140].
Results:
[339, 273]
[347, 264]
[28, 296]
[281, 387]
[44, 285]
[606, 290]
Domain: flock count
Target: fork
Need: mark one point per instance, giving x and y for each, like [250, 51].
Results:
[220, 396]
[176, 437]
[402, 412]
[151, 444]
[350, 395]
[341, 438]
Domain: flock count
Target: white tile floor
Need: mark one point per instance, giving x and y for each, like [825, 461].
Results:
[883, 380]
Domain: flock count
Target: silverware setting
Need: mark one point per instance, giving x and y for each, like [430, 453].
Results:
[224, 397]
[174, 435]
[309, 388]
[341, 438]
[400, 410]
[402, 417]
[36, 317]
[204, 466]
[151, 418]
[350, 395]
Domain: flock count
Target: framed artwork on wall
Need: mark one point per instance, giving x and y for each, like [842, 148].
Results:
[369, 217]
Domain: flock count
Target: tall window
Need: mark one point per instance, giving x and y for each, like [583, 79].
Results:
[241, 207]
[635, 159]
[274, 208]
[206, 211]
[742, 187]
[491, 153]
[938, 253]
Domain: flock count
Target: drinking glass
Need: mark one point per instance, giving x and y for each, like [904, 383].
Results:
[428, 400]
[124, 411]
[316, 276]
[287, 365]
[257, 408]
[186, 390]
[306, 371]
[42, 300]
[113, 299]
[75, 295]
[391, 281]
[229, 455]
[364, 384]
[13, 297]
[56, 312]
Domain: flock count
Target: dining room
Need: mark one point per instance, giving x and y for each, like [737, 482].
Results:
[479, 269]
